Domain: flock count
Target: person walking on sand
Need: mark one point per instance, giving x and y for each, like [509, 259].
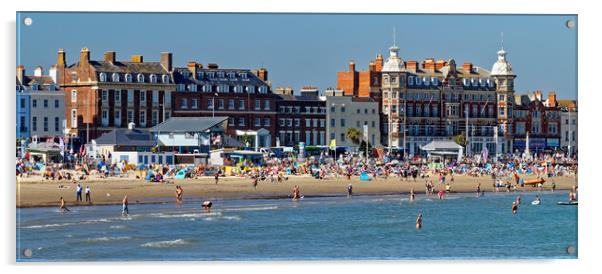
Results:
[255, 179]
[63, 206]
[514, 207]
[125, 211]
[419, 221]
[349, 190]
[217, 176]
[88, 197]
[78, 193]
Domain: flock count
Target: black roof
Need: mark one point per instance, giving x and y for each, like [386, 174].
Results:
[126, 137]
[184, 76]
[188, 124]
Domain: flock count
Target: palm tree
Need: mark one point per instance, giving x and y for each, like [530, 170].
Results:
[354, 135]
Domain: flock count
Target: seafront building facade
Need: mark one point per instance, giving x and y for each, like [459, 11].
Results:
[40, 106]
[344, 112]
[568, 126]
[243, 95]
[102, 95]
[538, 119]
[301, 118]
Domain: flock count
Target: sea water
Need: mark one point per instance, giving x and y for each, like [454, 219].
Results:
[461, 226]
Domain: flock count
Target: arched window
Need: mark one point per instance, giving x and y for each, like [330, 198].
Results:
[115, 77]
[128, 78]
[140, 78]
[153, 78]
[103, 77]
[165, 79]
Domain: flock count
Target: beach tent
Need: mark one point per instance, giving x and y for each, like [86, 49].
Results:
[364, 177]
[181, 174]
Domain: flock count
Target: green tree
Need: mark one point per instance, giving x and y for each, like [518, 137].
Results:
[460, 139]
[354, 135]
[363, 147]
[246, 139]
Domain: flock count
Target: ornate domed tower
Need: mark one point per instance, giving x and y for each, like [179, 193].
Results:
[504, 77]
[393, 80]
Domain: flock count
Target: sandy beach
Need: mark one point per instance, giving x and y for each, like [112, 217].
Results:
[35, 192]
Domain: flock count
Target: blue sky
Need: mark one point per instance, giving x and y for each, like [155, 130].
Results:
[309, 49]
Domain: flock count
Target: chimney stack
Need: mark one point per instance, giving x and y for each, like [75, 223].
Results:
[110, 57]
[351, 66]
[552, 99]
[20, 73]
[192, 66]
[412, 65]
[379, 62]
[467, 67]
[39, 71]
[262, 74]
[137, 59]
[166, 60]
[429, 63]
[84, 57]
[440, 64]
[61, 58]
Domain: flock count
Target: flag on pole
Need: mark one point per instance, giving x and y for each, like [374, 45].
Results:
[62, 146]
[366, 133]
[333, 144]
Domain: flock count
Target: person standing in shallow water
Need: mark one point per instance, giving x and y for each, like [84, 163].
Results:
[63, 206]
[125, 211]
[419, 221]
[514, 208]
[412, 195]
[349, 190]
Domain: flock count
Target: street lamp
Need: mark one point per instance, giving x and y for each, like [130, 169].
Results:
[213, 106]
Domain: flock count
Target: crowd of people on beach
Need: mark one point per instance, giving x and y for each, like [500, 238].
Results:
[507, 173]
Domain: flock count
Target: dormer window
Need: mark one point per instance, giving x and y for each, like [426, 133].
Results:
[192, 87]
[35, 87]
[180, 87]
[411, 80]
[165, 79]
[243, 75]
[220, 74]
[153, 78]
[263, 89]
[128, 78]
[231, 75]
[199, 75]
[115, 77]
[211, 74]
[103, 77]
[250, 89]
[140, 78]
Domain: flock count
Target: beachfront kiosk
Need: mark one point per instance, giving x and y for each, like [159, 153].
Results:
[190, 139]
[442, 150]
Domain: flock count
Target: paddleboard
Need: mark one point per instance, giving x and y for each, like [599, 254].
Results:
[535, 202]
[568, 203]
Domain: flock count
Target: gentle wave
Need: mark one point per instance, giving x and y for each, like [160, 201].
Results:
[48, 225]
[184, 215]
[251, 208]
[164, 244]
[118, 227]
[107, 239]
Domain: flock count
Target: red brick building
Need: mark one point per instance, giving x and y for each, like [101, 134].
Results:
[540, 119]
[361, 83]
[101, 95]
[241, 94]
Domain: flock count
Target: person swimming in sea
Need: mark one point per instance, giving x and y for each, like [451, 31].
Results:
[518, 200]
[412, 195]
[419, 221]
[514, 208]
[296, 193]
[440, 194]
